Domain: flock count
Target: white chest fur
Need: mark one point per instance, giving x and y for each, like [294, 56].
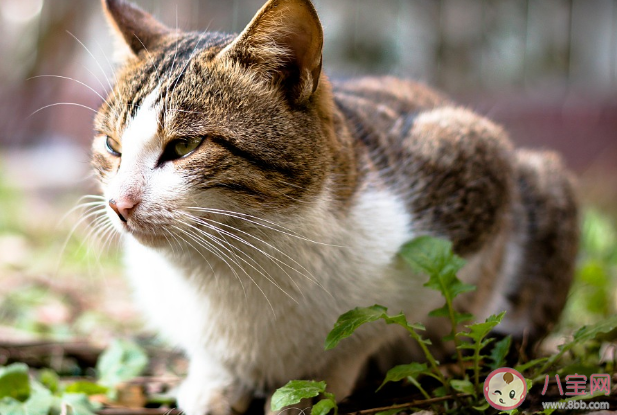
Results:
[271, 341]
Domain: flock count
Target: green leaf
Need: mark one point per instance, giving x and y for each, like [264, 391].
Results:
[530, 364]
[14, 382]
[122, 361]
[586, 333]
[294, 391]
[49, 379]
[440, 392]
[431, 255]
[39, 403]
[481, 408]
[500, 352]
[323, 407]
[479, 331]
[398, 373]
[85, 387]
[401, 320]
[464, 386]
[350, 321]
[435, 258]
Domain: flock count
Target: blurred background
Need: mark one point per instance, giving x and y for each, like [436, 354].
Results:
[545, 69]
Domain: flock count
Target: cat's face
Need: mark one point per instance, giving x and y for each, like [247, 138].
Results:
[198, 124]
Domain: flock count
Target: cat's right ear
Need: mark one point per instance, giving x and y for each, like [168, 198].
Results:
[283, 44]
[135, 29]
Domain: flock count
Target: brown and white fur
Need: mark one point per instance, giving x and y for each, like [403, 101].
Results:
[292, 208]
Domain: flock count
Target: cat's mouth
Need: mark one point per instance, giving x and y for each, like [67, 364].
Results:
[151, 235]
[147, 238]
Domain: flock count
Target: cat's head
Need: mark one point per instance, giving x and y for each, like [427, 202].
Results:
[200, 123]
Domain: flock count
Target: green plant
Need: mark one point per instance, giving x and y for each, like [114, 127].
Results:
[46, 394]
[462, 391]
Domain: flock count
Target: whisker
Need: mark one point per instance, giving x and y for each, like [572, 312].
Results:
[103, 88]
[69, 79]
[275, 260]
[79, 206]
[267, 277]
[310, 276]
[109, 65]
[92, 55]
[66, 241]
[215, 251]
[244, 216]
[63, 103]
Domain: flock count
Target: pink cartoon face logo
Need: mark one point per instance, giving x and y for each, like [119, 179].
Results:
[505, 389]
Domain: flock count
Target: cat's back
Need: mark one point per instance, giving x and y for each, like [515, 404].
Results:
[375, 105]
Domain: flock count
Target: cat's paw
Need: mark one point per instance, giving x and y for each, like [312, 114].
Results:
[197, 397]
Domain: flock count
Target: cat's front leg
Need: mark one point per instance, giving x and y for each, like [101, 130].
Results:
[210, 389]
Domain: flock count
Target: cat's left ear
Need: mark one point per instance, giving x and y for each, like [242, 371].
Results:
[135, 28]
[284, 43]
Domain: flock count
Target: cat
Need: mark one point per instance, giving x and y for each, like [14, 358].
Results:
[258, 201]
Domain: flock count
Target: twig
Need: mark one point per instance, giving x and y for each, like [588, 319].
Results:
[401, 406]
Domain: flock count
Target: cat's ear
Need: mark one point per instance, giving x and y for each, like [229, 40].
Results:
[136, 29]
[284, 43]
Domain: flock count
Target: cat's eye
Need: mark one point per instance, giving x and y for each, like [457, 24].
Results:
[180, 147]
[113, 146]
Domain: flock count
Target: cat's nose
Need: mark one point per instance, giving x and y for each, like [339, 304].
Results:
[122, 207]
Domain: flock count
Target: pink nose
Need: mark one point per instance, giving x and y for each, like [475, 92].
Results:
[122, 207]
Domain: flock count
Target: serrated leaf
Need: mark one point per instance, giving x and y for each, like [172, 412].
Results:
[479, 331]
[350, 321]
[431, 255]
[401, 320]
[85, 387]
[294, 391]
[39, 403]
[447, 283]
[398, 373]
[434, 257]
[586, 333]
[14, 382]
[464, 386]
[122, 361]
[500, 352]
[323, 407]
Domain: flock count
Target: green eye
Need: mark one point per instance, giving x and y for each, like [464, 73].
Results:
[180, 148]
[113, 146]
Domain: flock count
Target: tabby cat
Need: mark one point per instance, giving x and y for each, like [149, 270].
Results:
[259, 201]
